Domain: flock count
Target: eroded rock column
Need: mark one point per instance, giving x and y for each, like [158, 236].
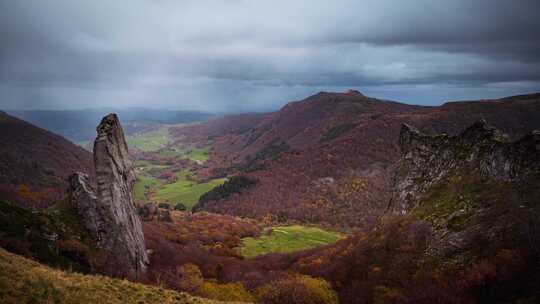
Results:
[109, 213]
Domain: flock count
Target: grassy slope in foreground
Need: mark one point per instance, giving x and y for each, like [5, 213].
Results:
[25, 281]
[288, 239]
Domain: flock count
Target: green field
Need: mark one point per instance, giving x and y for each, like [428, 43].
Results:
[200, 154]
[195, 154]
[151, 140]
[143, 185]
[185, 191]
[150, 189]
[160, 141]
[288, 239]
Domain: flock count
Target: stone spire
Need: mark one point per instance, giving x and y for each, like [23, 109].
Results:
[113, 221]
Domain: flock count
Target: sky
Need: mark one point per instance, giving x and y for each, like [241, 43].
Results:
[257, 55]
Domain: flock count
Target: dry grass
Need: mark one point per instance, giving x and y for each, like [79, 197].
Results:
[25, 281]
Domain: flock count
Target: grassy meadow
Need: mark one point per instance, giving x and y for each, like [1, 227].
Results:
[159, 140]
[184, 190]
[150, 141]
[288, 239]
[194, 154]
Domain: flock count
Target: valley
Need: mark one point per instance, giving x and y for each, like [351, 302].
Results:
[167, 173]
[270, 152]
[332, 198]
[166, 168]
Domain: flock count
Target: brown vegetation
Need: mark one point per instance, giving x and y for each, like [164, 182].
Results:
[343, 152]
[35, 163]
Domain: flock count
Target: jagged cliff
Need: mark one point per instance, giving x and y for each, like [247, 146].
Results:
[477, 189]
[481, 149]
[109, 213]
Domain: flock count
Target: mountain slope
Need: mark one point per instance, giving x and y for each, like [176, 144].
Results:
[35, 163]
[477, 189]
[463, 227]
[25, 281]
[330, 158]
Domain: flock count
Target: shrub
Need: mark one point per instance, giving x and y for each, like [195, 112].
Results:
[164, 206]
[298, 289]
[190, 276]
[337, 131]
[180, 207]
[226, 292]
[50, 237]
[282, 216]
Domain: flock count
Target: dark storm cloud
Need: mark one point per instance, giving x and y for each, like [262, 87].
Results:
[256, 55]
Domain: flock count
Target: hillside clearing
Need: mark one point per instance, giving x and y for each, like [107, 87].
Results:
[185, 190]
[288, 239]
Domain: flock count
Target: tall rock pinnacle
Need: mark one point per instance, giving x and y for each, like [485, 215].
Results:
[112, 221]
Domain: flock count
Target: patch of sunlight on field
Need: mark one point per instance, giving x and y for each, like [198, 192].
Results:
[288, 239]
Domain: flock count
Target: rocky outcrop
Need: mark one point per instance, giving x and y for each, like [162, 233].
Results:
[478, 190]
[482, 149]
[84, 201]
[150, 211]
[109, 213]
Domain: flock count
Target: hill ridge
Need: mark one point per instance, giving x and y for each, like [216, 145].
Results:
[35, 163]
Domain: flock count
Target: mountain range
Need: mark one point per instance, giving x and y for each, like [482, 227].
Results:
[432, 205]
[331, 158]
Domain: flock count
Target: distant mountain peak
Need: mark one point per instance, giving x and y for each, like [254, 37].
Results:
[354, 93]
[349, 92]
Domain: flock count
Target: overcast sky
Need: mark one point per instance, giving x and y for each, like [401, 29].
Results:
[240, 55]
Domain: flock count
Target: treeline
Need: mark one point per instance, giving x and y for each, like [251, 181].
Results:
[234, 185]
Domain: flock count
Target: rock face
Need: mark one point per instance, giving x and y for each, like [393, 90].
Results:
[476, 189]
[109, 214]
[83, 198]
[427, 159]
[150, 211]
